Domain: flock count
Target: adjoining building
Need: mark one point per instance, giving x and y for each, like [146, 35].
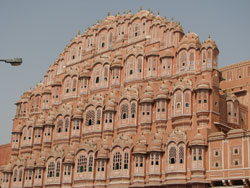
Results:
[133, 102]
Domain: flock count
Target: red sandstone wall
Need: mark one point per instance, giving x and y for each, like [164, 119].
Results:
[5, 152]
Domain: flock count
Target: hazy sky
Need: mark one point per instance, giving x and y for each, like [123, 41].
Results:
[38, 31]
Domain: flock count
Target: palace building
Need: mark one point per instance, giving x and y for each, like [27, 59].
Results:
[133, 102]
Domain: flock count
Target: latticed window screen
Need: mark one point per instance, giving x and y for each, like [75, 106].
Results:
[133, 110]
[191, 58]
[20, 175]
[187, 99]
[66, 127]
[110, 117]
[172, 155]
[51, 169]
[200, 154]
[117, 161]
[209, 56]
[152, 158]
[59, 126]
[124, 111]
[74, 85]
[136, 161]
[157, 159]
[139, 65]
[126, 160]
[106, 72]
[90, 163]
[15, 175]
[29, 174]
[98, 116]
[183, 60]
[204, 56]
[90, 117]
[58, 167]
[181, 154]
[141, 161]
[82, 164]
[194, 154]
[154, 65]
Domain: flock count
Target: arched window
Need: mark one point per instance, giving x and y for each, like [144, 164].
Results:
[67, 85]
[117, 161]
[139, 66]
[74, 85]
[98, 116]
[90, 118]
[15, 175]
[203, 57]
[136, 30]
[183, 61]
[59, 126]
[90, 163]
[187, 99]
[126, 160]
[191, 61]
[66, 125]
[20, 175]
[209, 56]
[181, 154]
[200, 154]
[133, 110]
[58, 168]
[82, 164]
[106, 74]
[51, 169]
[124, 111]
[172, 155]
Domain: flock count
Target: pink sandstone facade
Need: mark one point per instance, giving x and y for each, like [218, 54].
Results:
[133, 102]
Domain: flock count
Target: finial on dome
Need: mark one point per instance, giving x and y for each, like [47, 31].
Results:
[172, 18]
[148, 9]
[124, 12]
[118, 13]
[188, 30]
[108, 13]
[158, 12]
[98, 21]
[140, 8]
[209, 37]
[79, 32]
[129, 11]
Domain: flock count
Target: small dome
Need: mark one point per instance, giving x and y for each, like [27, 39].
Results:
[209, 43]
[203, 84]
[102, 154]
[198, 139]
[156, 144]
[46, 91]
[148, 94]
[8, 167]
[56, 82]
[153, 52]
[17, 129]
[167, 53]
[78, 113]
[110, 105]
[85, 74]
[50, 118]
[69, 158]
[190, 40]
[163, 92]
[30, 164]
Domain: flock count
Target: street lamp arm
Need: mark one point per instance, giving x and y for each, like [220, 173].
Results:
[13, 62]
